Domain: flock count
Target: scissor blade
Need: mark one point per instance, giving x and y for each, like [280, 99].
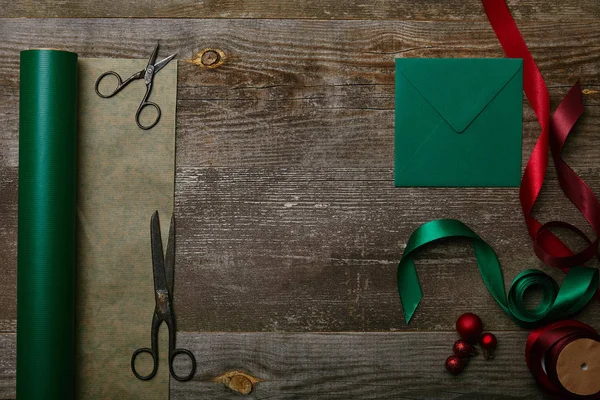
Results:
[158, 260]
[170, 258]
[152, 58]
[159, 65]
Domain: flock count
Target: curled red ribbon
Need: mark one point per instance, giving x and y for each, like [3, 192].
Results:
[543, 347]
[555, 131]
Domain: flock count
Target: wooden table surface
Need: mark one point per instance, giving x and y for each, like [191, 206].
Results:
[290, 228]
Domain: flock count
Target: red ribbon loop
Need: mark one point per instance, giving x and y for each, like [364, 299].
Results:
[549, 248]
[564, 262]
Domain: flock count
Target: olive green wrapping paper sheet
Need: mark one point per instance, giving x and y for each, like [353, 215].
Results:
[46, 236]
[124, 175]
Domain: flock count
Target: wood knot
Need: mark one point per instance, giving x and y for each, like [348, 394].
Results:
[238, 381]
[208, 58]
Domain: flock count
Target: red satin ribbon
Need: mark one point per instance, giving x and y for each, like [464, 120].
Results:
[543, 348]
[555, 131]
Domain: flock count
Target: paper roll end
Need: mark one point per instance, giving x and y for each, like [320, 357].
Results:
[44, 49]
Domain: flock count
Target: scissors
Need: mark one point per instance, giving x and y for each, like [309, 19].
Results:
[147, 74]
[163, 291]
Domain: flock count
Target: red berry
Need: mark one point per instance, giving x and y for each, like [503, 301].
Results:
[469, 327]
[463, 349]
[455, 365]
[488, 343]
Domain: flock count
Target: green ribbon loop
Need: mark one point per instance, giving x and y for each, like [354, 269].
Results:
[577, 289]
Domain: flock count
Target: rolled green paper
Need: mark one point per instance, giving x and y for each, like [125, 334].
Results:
[47, 212]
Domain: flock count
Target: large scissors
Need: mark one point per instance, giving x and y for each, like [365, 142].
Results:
[148, 75]
[163, 291]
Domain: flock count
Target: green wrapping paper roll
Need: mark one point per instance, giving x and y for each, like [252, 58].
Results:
[47, 213]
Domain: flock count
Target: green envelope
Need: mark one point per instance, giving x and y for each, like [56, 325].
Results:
[458, 121]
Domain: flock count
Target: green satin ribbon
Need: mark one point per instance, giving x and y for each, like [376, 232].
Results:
[577, 289]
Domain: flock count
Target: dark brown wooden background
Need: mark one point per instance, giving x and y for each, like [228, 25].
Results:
[289, 227]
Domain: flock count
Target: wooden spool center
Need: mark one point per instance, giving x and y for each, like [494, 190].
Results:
[578, 367]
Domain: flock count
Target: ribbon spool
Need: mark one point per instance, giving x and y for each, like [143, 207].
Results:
[564, 358]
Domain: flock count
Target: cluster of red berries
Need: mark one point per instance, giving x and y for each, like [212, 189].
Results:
[470, 328]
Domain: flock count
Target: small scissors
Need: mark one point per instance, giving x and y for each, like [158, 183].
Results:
[148, 75]
[163, 291]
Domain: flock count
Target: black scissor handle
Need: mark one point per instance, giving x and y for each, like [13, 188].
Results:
[117, 89]
[139, 111]
[189, 354]
[154, 360]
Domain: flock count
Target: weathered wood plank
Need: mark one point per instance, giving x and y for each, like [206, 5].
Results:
[328, 127]
[353, 365]
[8, 246]
[309, 9]
[294, 53]
[341, 129]
[307, 250]
[336, 366]
[8, 366]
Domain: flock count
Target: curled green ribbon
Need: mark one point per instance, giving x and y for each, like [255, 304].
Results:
[577, 289]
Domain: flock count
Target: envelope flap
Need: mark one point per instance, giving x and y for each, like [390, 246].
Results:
[459, 89]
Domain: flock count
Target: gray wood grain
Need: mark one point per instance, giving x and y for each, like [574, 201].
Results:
[309, 250]
[336, 366]
[288, 218]
[8, 368]
[309, 9]
[8, 245]
[291, 56]
[353, 365]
